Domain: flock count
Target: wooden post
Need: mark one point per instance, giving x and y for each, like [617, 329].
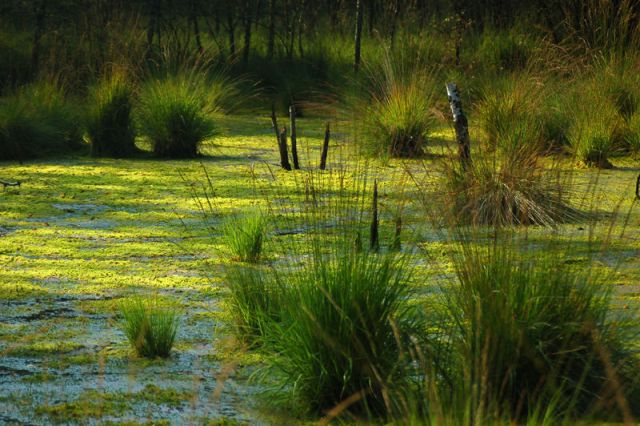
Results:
[294, 142]
[325, 147]
[284, 155]
[638, 188]
[461, 126]
[374, 237]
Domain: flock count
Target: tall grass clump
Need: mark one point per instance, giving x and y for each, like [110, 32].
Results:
[254, 302]
[345, 321]
[397, 111]
[110, 125]
[176, 115]
[508, 187]
[535, 330]
[38, 120]
[150, 325]
[245, 237]
[596, 131]
[527, 106]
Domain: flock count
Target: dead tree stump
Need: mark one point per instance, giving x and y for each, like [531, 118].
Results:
[284, 154]
[294, 141]
[325, 147]
[461, 126]
[374, 236]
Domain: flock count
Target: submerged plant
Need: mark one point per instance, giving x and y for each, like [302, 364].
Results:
[110, 127]
[150, 325]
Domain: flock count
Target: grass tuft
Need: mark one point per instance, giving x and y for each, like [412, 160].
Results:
[344, 323]
[245, 237]
[509, 187]
[175, 114]
[38, 120]
[398, 110]
[529, 329]
[110, 128]
[150, 326]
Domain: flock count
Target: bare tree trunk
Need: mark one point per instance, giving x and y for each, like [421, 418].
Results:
[358, 38]
[461, 126]
[41, 13]
[248, 21]
[372, 15]
[231, 28]
[154, 25]
[196, 27]
[394, 22]
[272, 29]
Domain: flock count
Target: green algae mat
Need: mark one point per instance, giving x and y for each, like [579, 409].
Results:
[80, 234]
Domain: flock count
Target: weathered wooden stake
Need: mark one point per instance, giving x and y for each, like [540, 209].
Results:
[374, 237]
[397, 242]
[294, 142]
[638, 188]
[284, 154]
[325, 147]
[5, 183]
[461, 125]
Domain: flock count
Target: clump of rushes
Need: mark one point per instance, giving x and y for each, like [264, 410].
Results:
[175, 114]
[532, 331]
[254, 302]
[526, 106]
[508, 187]
[245, 237]
[596, 131]
[37, 121]
[345, 322]
[397, 113]
[150, 325]
[110, 125]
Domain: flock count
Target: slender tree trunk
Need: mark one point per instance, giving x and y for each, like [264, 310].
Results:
[358, 38]
[248, 21]
[372, 15]
[272, 29]
[394, 22]
[41, 13]
[196, 27]
[231, 28]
